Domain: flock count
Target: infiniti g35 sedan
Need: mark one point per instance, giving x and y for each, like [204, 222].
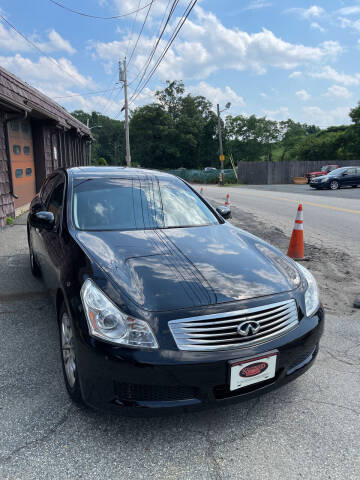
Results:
[162, 304]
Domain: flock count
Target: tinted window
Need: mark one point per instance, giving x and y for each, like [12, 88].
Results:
[56, 200]
[28, 172]
[18, 172]
[128, 204]
[351, 171]
[27, 150]
[17, 149]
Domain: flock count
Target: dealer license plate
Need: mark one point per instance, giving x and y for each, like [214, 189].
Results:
[252, 370]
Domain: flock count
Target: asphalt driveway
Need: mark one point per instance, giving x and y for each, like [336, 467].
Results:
[309, 428]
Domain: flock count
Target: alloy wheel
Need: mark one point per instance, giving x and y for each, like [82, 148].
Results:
[67, 349]
[334, 185]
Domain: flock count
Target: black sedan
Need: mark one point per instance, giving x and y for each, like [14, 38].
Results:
[341, 177]
[161, 303]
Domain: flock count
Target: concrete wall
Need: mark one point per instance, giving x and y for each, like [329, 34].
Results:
[269, 173]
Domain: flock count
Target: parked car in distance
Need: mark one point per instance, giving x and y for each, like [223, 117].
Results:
[210, 169]
[162, 304]
[341, 177]
[323, 171]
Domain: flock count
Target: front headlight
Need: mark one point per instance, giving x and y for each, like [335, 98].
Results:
[312, 301]
[108, 323]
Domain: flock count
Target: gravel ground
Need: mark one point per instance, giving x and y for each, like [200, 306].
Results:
[308, 429]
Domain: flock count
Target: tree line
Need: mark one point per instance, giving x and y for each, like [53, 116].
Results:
[181, 130]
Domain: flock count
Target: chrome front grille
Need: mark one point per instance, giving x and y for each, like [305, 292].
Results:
[220, 331]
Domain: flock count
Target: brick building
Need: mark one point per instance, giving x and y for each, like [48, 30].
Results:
[36, 136]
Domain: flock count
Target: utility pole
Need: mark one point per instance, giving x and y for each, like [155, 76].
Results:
[87, 124]
[123, 78]
[222, 157]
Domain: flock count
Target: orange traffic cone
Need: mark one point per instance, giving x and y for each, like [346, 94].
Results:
[227, 201]
[296, 245]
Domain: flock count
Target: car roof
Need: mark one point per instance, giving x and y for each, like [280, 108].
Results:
[103, 172]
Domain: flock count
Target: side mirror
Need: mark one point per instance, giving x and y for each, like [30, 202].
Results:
[43, 219]
[225, 212]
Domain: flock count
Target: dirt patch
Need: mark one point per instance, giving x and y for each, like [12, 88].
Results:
[337, 272]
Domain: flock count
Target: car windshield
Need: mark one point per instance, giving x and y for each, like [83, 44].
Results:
[137, 204]
[324, 169]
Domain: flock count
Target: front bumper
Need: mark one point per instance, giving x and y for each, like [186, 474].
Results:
[135, 382]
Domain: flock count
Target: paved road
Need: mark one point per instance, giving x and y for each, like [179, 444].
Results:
[330, 218]
[308, 429]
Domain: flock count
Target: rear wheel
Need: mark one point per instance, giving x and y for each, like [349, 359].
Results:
[334, 185]
[353, 186]
[68, 356]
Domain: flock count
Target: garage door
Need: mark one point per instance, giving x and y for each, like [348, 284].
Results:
[22, 161]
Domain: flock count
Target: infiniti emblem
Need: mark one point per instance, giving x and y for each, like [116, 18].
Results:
[248, 328]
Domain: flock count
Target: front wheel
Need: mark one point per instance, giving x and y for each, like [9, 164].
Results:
[334, 185]
[68, 356]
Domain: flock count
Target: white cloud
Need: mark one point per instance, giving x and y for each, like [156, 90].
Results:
[263, 95]
[349, 10]
[217, 95]
[338, 91]
[206, 46]
[318, 116]
[295, 74]
[312, 12]
[316, 26]
[281, 113]
[348, 24]
[12, 42]
[329, 73]
[44, 73]
[257, 5]
[303, 95]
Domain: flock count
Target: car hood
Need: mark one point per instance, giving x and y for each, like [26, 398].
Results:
[188, 267]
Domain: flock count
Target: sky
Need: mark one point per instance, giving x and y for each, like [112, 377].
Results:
[280, 59]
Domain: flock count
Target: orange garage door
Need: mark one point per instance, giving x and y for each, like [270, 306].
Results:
[22, 161]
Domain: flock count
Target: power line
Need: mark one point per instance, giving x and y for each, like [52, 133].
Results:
[36, 47]
[84, 14]
[156, 43]
[132, 29]
[170, 41]
[140, 33]
[86, 93]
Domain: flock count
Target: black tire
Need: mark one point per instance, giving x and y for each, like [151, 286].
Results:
[353, 186]
[70, 372]
[34, 266]
[334, 185]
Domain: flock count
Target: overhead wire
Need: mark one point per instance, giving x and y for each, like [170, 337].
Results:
[175, 33]
[161, 31]
[140, 33]
[84, 14]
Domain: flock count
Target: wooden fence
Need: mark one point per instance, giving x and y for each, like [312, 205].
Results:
[269, 173]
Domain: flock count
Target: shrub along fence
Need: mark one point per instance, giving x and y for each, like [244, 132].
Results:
[268, 173]
[200, 176]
